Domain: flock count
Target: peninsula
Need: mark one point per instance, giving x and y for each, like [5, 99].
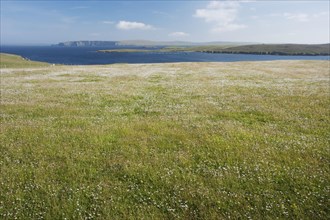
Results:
[259, 49]
[205, 47]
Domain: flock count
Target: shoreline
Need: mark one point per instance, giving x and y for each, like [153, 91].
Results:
[208, 51]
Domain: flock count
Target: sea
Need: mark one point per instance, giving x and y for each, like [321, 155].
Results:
[90, 56]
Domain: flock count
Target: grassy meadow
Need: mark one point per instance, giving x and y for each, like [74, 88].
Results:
[242, 140]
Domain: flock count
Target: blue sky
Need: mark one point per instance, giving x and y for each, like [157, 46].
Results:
[48, 22]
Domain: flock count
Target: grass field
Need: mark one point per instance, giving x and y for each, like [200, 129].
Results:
[244, 140]
[14, 61]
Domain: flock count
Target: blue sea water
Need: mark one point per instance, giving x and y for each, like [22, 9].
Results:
[89, 56]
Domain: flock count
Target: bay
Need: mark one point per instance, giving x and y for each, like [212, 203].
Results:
[90, 56]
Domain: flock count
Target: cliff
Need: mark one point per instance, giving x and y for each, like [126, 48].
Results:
[87, 43]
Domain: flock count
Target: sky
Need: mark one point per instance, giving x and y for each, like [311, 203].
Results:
[49, 22]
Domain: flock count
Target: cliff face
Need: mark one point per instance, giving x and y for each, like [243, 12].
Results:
[139, 43]
[87, 43]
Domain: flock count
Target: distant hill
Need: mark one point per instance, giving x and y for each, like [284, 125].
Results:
[141, 43]
[175, 43]
[273, 49]
[86, 43]
[15, 61]
[212, 47]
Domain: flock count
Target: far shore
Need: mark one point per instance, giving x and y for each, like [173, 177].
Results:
[189, 50]
[259, 49]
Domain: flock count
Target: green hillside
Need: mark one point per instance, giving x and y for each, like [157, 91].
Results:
[274, 49]
[265, 49]
[15, 61]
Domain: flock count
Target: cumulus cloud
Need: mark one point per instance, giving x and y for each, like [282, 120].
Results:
[223, 14]
[130, 25]
[178, 34]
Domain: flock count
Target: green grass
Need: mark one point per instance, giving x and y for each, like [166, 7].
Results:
[274, 49]
[14, 61]
[166, 141]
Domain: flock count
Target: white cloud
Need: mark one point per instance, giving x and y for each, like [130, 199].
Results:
[178, 34]
[108, 22]
[130, 25]
[322, 14]
[301, 17]
[223, 14]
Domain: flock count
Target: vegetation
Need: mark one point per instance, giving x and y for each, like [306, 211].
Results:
[274, 49]
[166, 49]
[266, 49]
[165, 141]
[14, 61]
